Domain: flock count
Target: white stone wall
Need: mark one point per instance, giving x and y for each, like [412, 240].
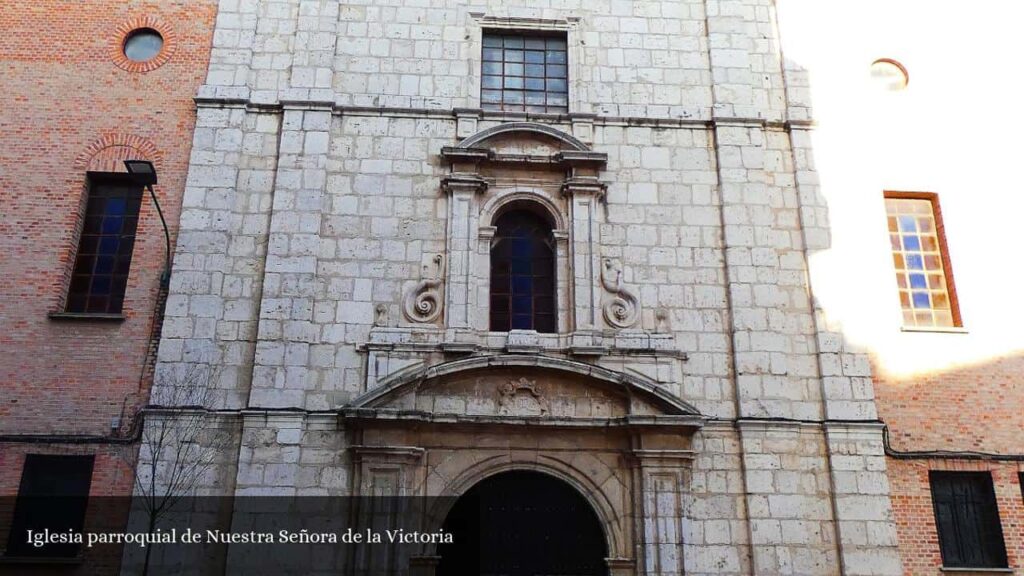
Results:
[314, 201]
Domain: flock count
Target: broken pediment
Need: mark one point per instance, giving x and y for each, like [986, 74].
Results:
[522, 388]
[527, 143]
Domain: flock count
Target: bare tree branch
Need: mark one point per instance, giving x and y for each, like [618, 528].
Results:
[180, 441]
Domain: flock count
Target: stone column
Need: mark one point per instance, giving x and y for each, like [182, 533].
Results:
[584, 241]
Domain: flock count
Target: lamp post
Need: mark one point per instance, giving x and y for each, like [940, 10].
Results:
[144, 173]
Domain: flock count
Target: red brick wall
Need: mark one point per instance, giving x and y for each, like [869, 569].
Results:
[70, 105]
[980, 407]
[65, 100]
[976, 408]
[915, 518]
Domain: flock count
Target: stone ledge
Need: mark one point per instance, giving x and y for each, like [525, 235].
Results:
[242, 97]
[85, 316]
[954, 571]
[580, 343]
[631, 422]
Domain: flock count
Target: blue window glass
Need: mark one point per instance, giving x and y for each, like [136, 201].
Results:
[143, 45]
[522, 273]
[921, 300]
[105, 247]
[915, 237]
[908, 224]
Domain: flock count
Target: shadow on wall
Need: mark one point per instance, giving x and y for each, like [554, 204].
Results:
[970, 408]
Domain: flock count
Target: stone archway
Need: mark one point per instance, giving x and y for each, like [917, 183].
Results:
[523, 522]
[615, 439]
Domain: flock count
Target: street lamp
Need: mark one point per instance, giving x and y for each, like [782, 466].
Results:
[143, 173]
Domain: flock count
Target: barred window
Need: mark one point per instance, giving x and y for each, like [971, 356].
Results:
[522, 273]
[524, 73]
[923, 272]
[967, 520]
[105, 247]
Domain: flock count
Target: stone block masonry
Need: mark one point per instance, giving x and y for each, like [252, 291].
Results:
[342, 167]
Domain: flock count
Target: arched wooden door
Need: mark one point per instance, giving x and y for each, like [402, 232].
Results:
[523, 523]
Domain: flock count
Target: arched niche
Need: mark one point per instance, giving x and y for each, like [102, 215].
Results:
[532, 164]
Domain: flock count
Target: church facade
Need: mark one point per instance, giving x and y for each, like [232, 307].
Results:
[532, 254]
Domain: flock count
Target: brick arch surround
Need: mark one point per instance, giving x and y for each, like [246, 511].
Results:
[120, 36]
[108, 153]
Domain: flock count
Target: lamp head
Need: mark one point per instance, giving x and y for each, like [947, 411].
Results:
[142, 171]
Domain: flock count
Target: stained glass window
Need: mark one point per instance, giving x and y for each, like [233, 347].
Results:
[524, 73]
[522, 274]
[105, 248]
[918, 246]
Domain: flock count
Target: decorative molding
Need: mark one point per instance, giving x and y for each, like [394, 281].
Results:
[582, 186]
[508, 403]
[622, 310]
[637, 384]
[459, 182]
[423, 303]
[409, 454]
[530, 127]
[485, 20]
[380, 315]
[662, 321]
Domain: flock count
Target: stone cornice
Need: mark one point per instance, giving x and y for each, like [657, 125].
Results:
[238, 97]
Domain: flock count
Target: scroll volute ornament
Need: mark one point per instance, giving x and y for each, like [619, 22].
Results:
[622, 308]
[424, 303]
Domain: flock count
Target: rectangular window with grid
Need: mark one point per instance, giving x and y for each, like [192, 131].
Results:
[104, 254]
[967, 520]
[524, 72]
[924, 276]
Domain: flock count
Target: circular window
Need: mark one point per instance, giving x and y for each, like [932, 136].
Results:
[143, 45]
[889, 74]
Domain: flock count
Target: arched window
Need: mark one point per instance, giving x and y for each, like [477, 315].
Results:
[522, 273]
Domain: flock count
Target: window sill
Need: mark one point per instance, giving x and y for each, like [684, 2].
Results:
[976, 570]
[937, 329]
[76, 316]
[39, 560]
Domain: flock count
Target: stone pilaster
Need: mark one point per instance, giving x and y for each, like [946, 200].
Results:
[788, 499]
[287, 330]
[463, 221]
[864, 516]
[584, 196]
[312, 70]
[663, 476]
